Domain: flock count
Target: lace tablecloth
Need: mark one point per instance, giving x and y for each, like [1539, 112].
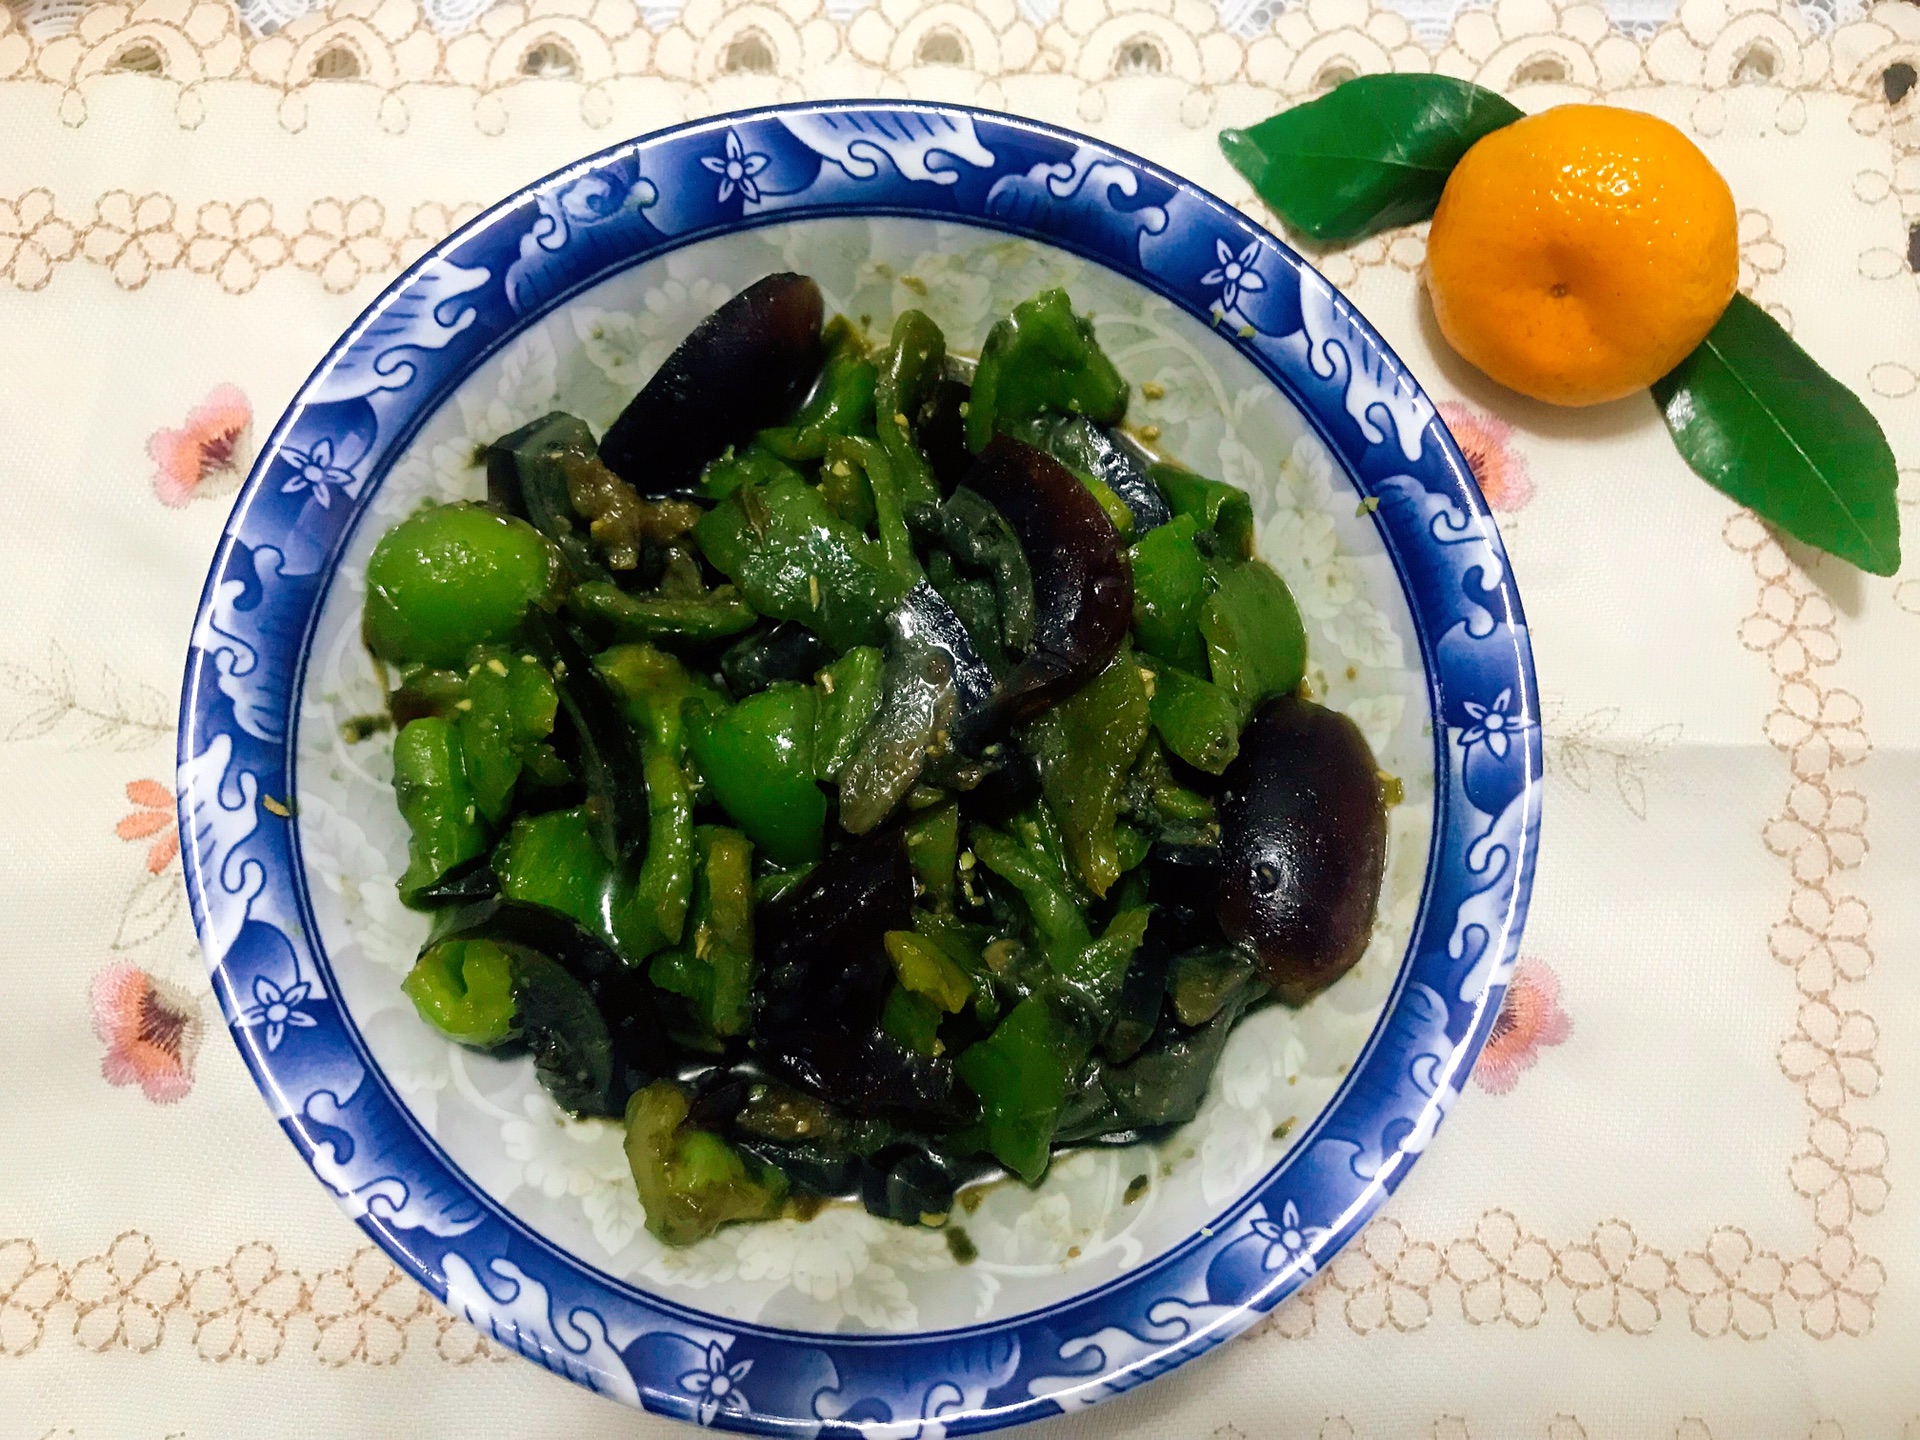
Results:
[1679, 1199]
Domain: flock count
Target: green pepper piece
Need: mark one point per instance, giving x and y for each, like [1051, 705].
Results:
[436, 800]
[794, 559]
[509, 708]
[1085, 746]
[1256, 645]
[1169, 588]
[913, 1020]
[1199, 721]
[1220, 508]
[841, 402]
[716, 968]
[451, 577]
[553, 859]
[915, 359]
[976, 532]
[740, 467]
[889, 519]
[1162, 805]
[933, 849]
[653, 689]
[692, 1182]
[758, 760]
[713, 615]
[847, 491]
[849, 694]
[1202, 982]
[423, 690]
[925, 969]
[1020, 1074]
[1042, 357]
[464, 989]
[1057, 919]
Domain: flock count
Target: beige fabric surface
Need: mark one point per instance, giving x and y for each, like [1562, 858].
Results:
[1693, 1214]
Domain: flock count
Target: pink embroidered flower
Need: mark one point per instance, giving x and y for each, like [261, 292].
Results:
[150, 1029]
[1530, 1018]
[209, 445]
[152, 816]
[1486, 442]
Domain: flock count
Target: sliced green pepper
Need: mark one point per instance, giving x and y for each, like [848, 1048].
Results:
[976, 532]
[913, 363]
[1020, 1073]
[758, 759]
[850, 691]
[692, 1182]
[896, 542]
[841, 402]
[925, 969]
[1057, 919]
[716, 968]
[1169, 589]
[933, 849]
[912, 1019]
[1085, 747]
[847, 491]
[436, 800]
[740, 467]
[507, 711]
[451, 577]
[1199, 721]
[464, 989]
[1256, 645]
[712, 615]
[1220, 508]
[553, 859]
[653, 688]
[794, 559]
[1042, 357]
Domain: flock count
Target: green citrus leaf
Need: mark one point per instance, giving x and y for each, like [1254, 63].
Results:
[1369, 155]
[1755, 417]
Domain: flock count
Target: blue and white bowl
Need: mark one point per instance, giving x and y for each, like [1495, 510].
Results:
[1126, 1262]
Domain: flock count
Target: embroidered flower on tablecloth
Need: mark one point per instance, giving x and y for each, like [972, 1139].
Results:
[1529, 1018]
[151, 1031]
[717, 1384]
[1234, 273]
[736, 169]
[153, 816]
[1487, 442]
[209, 446]
[277, 1009]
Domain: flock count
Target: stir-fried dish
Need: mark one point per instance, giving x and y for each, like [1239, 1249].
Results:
[862, 770]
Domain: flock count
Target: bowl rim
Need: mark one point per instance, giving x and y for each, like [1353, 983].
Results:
[525, 1290]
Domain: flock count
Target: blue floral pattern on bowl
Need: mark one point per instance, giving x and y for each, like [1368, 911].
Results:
[474, 294]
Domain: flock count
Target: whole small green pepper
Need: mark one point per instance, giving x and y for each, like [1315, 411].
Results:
[1042, 357]
[1085, 747]
[841, 402]
[1199, 721]
[794, 559]
[691, 1181]
[436, 800]
[1216, 507]
[758, 761]
[1256, 645]
[653, 689]
[1169, 589]
[712, 615]
[464, 989]
[508, 709]
[914, 360]
[849, 694]
[451, 577]
[1020, 1073]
